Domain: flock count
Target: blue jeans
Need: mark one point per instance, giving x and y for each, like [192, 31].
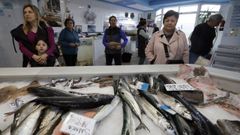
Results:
[193, 57]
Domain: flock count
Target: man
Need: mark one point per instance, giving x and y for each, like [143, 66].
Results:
[202, 38]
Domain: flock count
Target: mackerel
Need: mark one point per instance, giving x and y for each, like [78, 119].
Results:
[175, 105]
[129, 99]
[107, 109]
[156, 117]
[128, 122]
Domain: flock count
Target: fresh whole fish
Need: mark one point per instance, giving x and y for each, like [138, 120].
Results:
[29, 125]
[156, 117]
[128, 122]
[50, 117]
[175, 105]
[78, 102]
[107, 109]
[22, 113]
[129, 99]
[43, 91]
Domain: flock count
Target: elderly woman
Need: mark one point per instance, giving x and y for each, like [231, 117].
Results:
[168, 46]
[69, 41]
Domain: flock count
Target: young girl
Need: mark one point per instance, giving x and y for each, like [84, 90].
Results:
[41, 48]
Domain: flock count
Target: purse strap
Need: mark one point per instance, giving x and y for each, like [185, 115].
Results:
[166, 50]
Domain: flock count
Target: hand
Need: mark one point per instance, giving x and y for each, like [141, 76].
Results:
[36, 58]
[43, 58]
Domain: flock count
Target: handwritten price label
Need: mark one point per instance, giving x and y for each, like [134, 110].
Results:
[179, 87]
[75, 124]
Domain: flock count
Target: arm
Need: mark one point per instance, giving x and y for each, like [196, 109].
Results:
[149, 50]
[143, 34]
[124, 37]
[104, 41]
[25, 51]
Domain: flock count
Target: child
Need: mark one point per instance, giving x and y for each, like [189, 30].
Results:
[41, 48]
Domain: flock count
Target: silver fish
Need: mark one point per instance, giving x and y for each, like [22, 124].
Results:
[50, 119]
[156, 117]
[175, 105]
[129, 99]
[128, 122]
[107, 109]
[29, 125]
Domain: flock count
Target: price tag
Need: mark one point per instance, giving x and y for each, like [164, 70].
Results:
[179, 87]
[142, 86]
[75, 124]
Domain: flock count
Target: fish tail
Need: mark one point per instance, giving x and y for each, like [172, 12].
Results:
[142, 125]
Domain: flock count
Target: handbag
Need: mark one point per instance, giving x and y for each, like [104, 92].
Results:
[167, 56]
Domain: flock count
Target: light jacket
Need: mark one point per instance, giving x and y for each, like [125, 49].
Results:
[177, 47]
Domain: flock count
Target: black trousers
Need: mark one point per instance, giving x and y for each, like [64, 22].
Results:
[116, 57]
[70, 60]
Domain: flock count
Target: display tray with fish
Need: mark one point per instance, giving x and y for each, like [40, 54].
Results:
[110, 115]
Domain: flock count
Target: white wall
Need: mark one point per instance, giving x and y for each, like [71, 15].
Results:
[10, 19]
[101, 9]
[13, 17]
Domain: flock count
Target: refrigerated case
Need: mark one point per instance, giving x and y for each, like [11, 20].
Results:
[225, 80]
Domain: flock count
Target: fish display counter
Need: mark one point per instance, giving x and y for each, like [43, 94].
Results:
[116, 99]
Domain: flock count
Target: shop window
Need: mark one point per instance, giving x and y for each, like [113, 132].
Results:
[185, 25]
[188, 8]
[210, 7]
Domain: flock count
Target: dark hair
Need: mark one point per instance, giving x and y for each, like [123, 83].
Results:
[68, 20]
[171, 13]
[112, 17]
[142, 22]
[41, 38]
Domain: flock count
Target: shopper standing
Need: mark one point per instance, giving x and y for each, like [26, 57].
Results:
[27, 33]
[142, 38]
[168, 46]
[202, 38]
[69, 42]
[112, 42]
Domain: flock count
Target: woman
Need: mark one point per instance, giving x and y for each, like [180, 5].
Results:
[168, 45]
[26, 34]
[112, 42]
[142, 37]
[69, 41]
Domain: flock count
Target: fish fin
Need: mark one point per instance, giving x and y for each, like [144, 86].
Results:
[142, 125]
